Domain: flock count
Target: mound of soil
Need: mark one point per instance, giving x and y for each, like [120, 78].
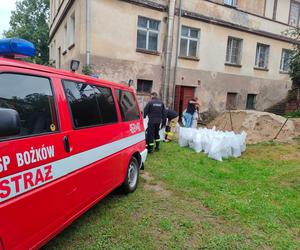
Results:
[259, 126]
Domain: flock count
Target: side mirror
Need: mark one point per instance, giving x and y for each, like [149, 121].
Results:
[10, 123]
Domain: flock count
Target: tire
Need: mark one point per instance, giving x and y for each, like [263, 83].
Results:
[132, 177]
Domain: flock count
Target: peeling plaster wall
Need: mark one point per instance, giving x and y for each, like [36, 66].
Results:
[118, 70]
[212, 91]
[114, 55]
[241, 18]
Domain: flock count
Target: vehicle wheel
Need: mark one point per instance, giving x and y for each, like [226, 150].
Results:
[132, 177]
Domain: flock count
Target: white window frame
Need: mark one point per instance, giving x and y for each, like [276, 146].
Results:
[148, 30]
[230, 2]
[72, 29]
[66, 37]
[298, 17]
[240, 48]
[266, 56]
[284, 53]
[189, 38]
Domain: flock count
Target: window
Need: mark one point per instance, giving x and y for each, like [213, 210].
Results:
[33, 98]
[128, 106]
[90, 105]
[294, 13]
[189, 42]
[262, 56]
[65, 36]
[72, 29]
[231, 101]
[234, 50]
[285, 60]
[144, 86]
[230, 2]
[147, 34]
[251, 100]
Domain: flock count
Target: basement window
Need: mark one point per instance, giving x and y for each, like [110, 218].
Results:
[251, 101]
[230, 2]
[231, 101]
[144, 86]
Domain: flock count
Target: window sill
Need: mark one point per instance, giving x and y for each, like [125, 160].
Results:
[261, 69]
[283, 72]
[71, 46]
[64, 52]
[230, 6]
[191, 58]
[150, 52]
[233, 65]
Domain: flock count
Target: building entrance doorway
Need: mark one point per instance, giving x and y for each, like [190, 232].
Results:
[182, 96]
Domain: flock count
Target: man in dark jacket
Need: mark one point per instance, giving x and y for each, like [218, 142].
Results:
[155, 110]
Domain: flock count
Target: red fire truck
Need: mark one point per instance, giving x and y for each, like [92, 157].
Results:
[66, 141]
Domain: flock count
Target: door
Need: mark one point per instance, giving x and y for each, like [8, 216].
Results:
[183, 94]
[30, 202]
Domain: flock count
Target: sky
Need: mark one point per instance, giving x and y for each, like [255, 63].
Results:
[5, 10]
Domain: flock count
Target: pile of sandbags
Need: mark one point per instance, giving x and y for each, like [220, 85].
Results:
[217, 144]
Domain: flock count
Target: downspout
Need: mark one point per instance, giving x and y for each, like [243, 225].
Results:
[168, 54]
[177, 53]
[88, 30]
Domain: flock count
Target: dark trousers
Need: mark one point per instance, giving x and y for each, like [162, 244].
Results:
[152, 134]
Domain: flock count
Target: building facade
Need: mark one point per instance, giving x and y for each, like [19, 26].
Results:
[232, 54]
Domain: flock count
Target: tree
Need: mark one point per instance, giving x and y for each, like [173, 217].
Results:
[295, 56]
[30, 21]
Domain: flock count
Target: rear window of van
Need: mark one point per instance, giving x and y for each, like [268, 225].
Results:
[128, 106]
[90, 105]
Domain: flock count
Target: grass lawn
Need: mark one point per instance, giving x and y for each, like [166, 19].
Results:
[187, 201]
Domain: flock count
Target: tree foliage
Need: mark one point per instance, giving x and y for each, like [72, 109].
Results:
[295, 57]
[30, 21]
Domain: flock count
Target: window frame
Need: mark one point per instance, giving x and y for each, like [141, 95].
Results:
[240, 49]
[254, 102]
[58, 129]
[284, 51]
[189, 38]
[233, 3]
[136, 102]
[72, 30]
[66, 37]
[290, 11]
[235, 106]
[266, 56]
[70, 109]
[148, 30]
[142, 81]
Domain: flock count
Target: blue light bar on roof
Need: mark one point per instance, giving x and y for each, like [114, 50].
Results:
[14, 47]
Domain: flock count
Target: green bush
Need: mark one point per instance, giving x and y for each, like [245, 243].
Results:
[294, 114]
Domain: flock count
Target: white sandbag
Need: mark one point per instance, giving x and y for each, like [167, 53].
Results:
[197, 140]
[183, 141]
[215, 151]
[217, 144]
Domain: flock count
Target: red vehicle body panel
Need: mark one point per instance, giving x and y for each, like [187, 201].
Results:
[30, 219]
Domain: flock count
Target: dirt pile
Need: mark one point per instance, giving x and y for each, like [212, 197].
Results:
[259, 126]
